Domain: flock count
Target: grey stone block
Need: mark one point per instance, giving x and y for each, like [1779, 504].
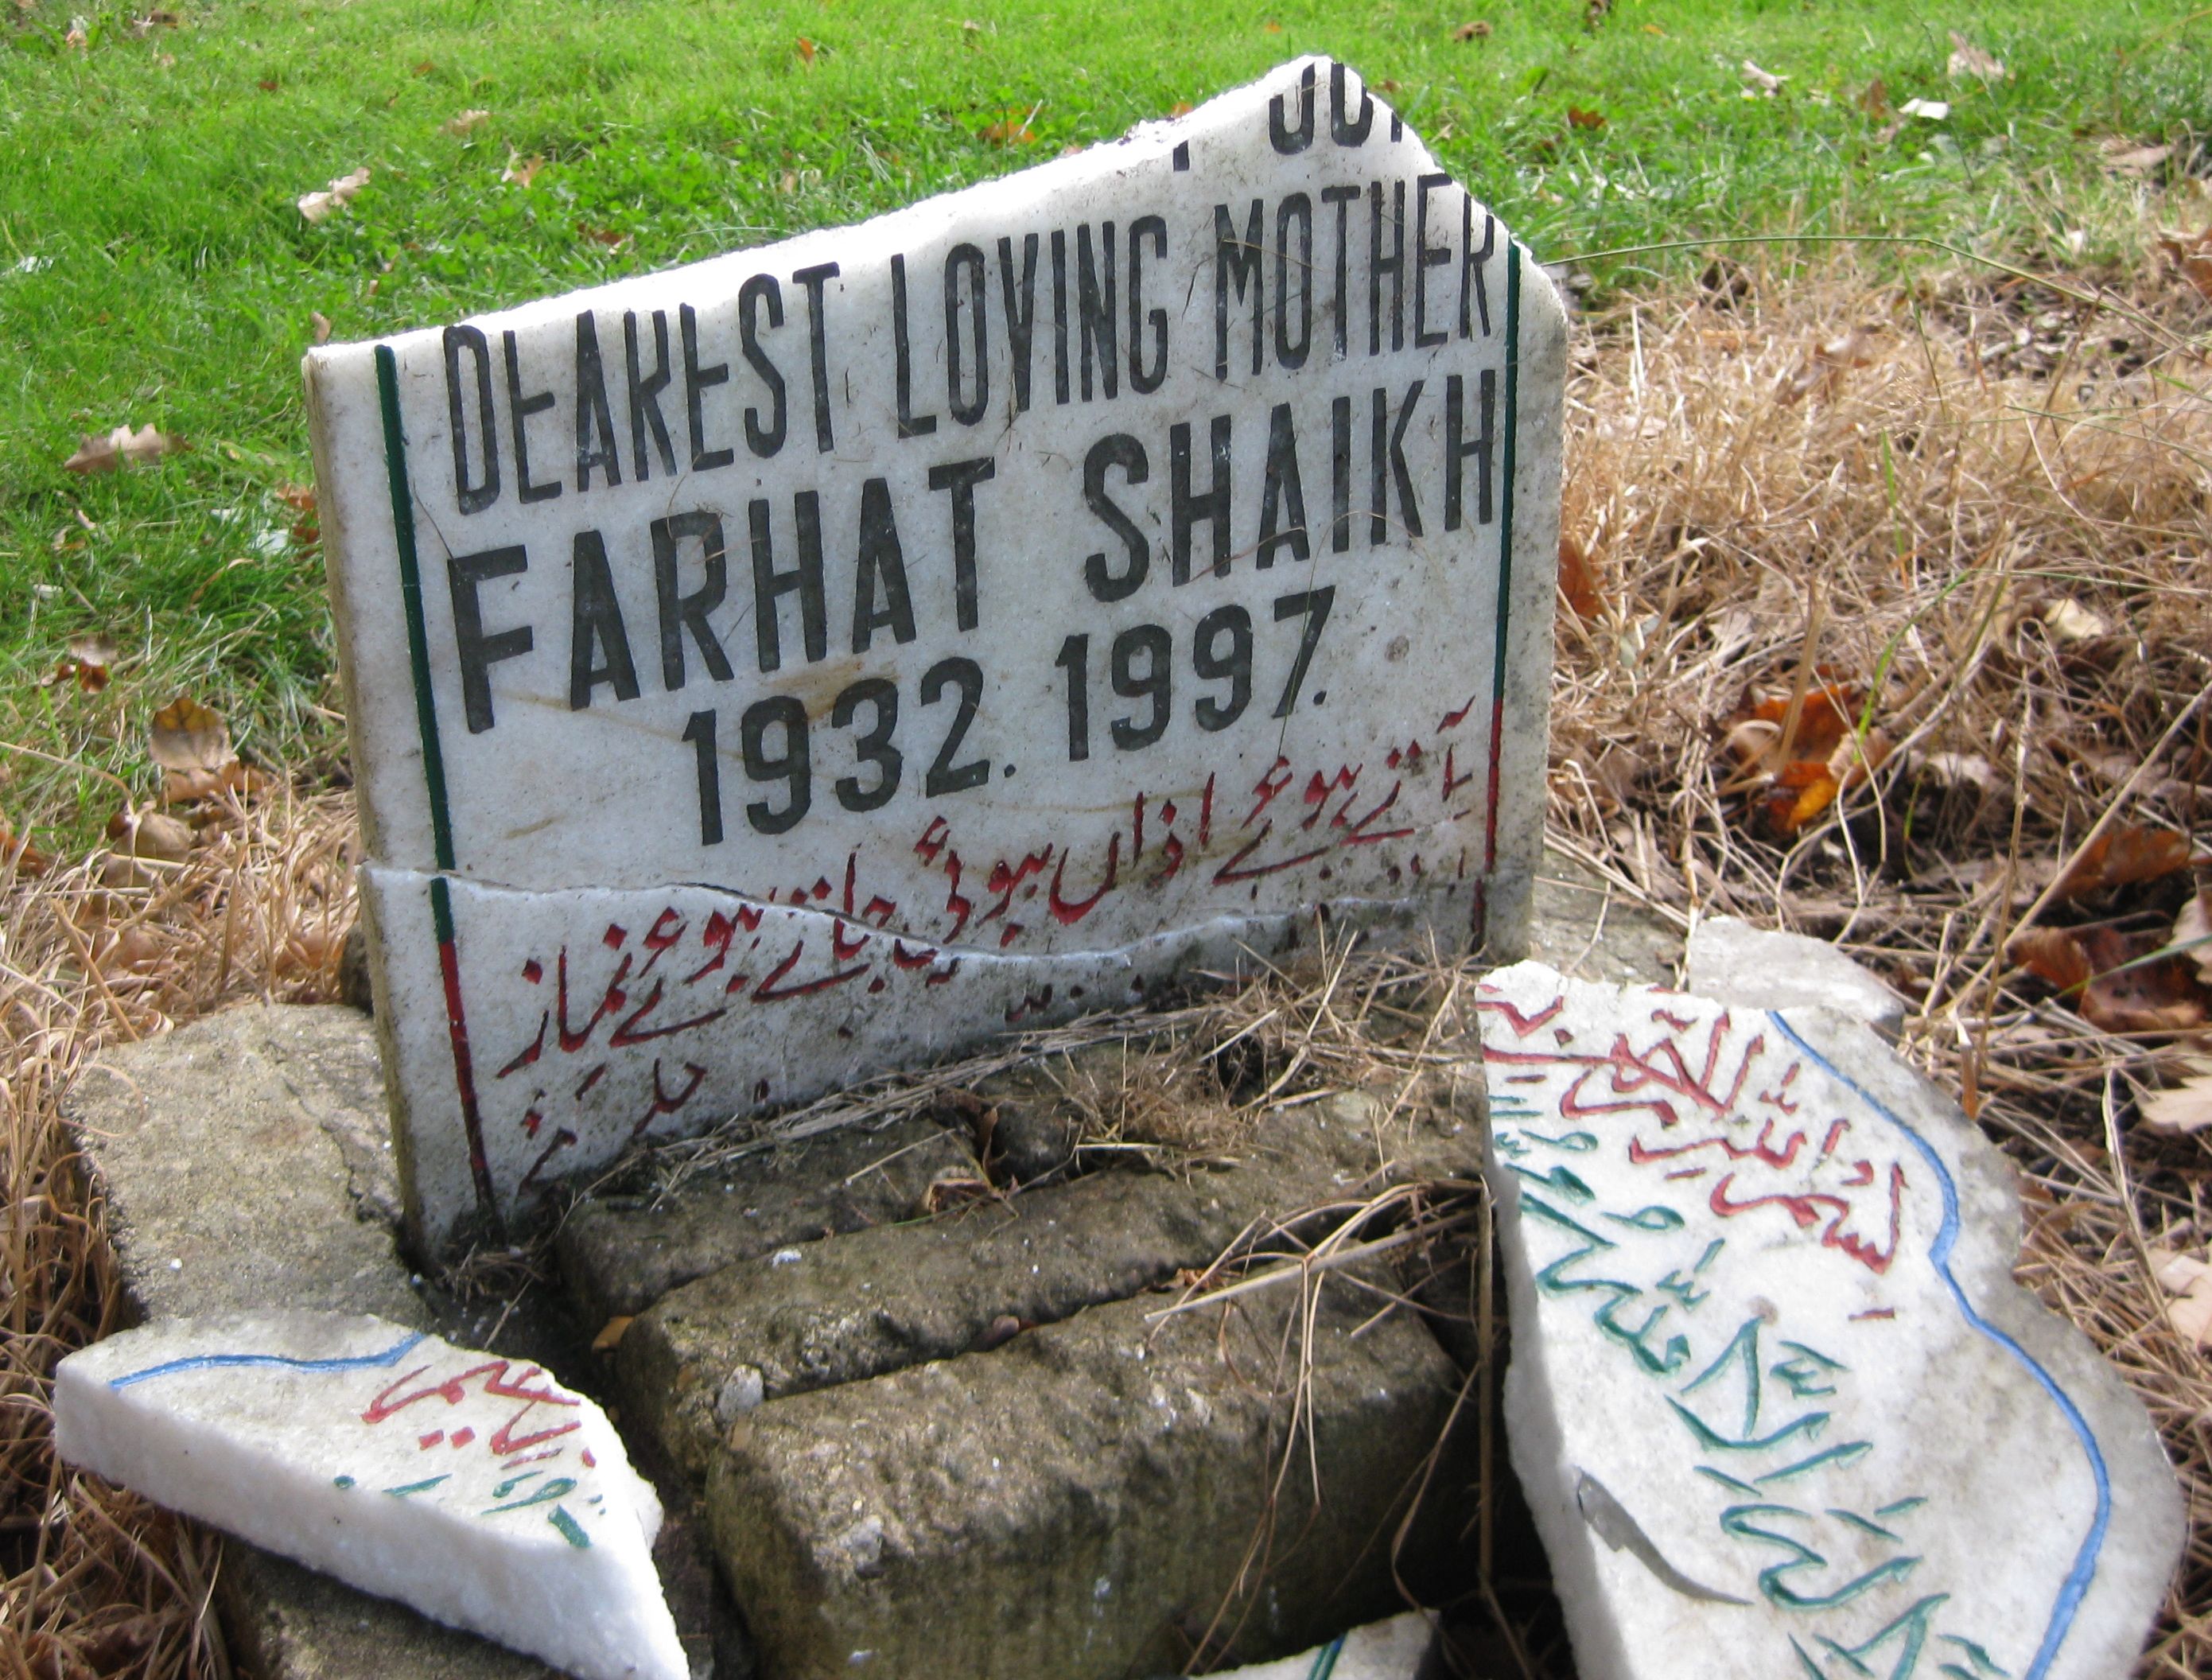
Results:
[879, 1300]
[1583, 926]
[1077, 1502]
[619, 1254]
[245, 1166]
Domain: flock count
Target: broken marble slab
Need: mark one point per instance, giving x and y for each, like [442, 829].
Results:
[1392, 1650]
[1103, 566]
[1775, 1401]
[1728, 959]
[474, 1488]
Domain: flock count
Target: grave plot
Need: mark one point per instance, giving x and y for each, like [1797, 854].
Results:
[813, 661]
[1775, 1401]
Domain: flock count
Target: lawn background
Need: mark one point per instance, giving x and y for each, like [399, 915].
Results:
[155, 268]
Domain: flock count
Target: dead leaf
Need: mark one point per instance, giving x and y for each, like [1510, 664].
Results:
[1966, 59]
[521, 170]
[17, 853]
[2069, 621]
[2192, 932]
[319, 325]
[1578, 117]
[2053, 955]
[2192, 254]
[2186, 1107]
[426, 67]
[1273, 28]
[188, 736]
[2100, 973]
[1957, 771]
[606, 236]
[2122, 856]
[1183, 107]
[190, 786]
[1010, 129]
[318, 206]
[89, 660]
[1928, 110]
[806, 50]
[2123, 157]
[268, 84]
[1578, 579]
[1477, 31]
[1761, 83]
[151, 835]
[130, 949]
[466, 122]
[1824, 756]
[610, 1333]
[1875, 101]
[123, 447]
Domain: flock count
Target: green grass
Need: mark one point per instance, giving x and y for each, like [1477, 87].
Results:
[153, 267]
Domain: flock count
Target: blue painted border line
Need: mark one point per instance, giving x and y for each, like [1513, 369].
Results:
[2076, 1584]
[391, 1356]
[1325, 1659]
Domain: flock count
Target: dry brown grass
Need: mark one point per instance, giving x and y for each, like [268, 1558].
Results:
[1908, 489]
[1988, 509]
[94, 1581]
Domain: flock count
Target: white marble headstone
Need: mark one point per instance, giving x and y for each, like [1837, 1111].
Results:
[476, 1488]
[768, 671]
[1775, 1401]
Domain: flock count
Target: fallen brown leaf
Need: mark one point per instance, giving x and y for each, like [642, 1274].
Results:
[806, 50]
[2122, 855]
[1012, 130]
[606, 236]
[1763, 83]
[610, 1333]
[1183, 107]
[190, 786]
[521, 170]
[2192, 931]
[2069, 621]
[1966, 59]
[320, 323]
[88, 660]
[2186, 1107]
[2123, 157]
[17, 853]
[1578, 579]
[151, 834]
[319, 206]
[187, 736]
[1477, 31]
[1875, 101]
[2192, 254]
[2053, 955]
[466, 122]
[268, 84]
[124, 447]
[1578, 117]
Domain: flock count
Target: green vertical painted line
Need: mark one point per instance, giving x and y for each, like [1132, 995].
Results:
[1506, 453]
[410, 596]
